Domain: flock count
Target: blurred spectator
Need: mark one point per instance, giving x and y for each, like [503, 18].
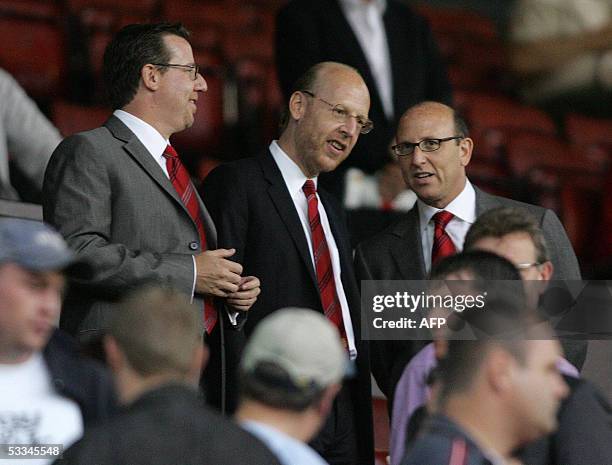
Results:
[385, 190]
[390, 45]
[496, 393]
[291, 371]
[26, 137]
[49, 393]
[562, 49]
[154, 347]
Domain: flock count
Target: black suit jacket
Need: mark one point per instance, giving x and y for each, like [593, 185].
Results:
[397, 253]
[254, 213]
[311, 31]
[168, 425]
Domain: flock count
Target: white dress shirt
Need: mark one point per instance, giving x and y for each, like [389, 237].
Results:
[155, 144]
[294, 180]
[366, 20]
[463, 207]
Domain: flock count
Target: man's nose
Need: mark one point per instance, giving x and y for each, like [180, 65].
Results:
[201, 84]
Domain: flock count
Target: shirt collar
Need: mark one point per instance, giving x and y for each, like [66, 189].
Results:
[348, 5]
[292, 174]
[150, 137]
[463, 207]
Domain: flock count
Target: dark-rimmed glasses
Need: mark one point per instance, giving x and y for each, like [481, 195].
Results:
[405, 149]
[194, 69]
[341, 115]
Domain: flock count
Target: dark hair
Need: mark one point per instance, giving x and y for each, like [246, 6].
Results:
[271, 385]
[499, 222]
[480, 264]
[461, 127]
[133, 47]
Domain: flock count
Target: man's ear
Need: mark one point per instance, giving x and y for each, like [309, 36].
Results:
[297, 105]
[466, 146]
[327, 399]
[115, 358]
[546, 270]
[150, 76]
[198, 364]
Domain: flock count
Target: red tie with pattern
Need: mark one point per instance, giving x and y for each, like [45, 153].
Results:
[184, 187]
[442, 245]
[323, 264]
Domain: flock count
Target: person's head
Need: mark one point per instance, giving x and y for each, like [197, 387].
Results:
[516, 378]
[33, 258]
[474, 273]
[512, 366]
[434, 168]
[294, 362]
[150, 69]
[514, 234]
[326, 114]
[155, 337]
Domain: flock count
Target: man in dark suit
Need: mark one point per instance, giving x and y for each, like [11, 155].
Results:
[163, 420]
[390, 45]
[124, 201]
[434, 149]
[268, 209]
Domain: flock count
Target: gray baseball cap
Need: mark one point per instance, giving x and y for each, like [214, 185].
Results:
[35, 246]
[303, 343]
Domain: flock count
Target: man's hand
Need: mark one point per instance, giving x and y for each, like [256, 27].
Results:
[216, 275]
[246, 295]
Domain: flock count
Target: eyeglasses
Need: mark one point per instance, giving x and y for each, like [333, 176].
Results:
[426, 145]
[194, 70]
[341, 115]
[526, 266]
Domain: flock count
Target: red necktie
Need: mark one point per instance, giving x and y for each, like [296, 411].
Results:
[442, 245]
[184, 187]
[323, 264]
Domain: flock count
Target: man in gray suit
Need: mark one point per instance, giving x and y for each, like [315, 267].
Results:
[112, 192]
[434, 148]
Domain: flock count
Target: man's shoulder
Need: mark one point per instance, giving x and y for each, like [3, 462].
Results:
[391, 235]
[443, 444]
[486, 201]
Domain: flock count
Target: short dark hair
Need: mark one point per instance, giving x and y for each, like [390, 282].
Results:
[461, 127]
[271, 385]
[480, 264]
[133, 47]
[499, 222]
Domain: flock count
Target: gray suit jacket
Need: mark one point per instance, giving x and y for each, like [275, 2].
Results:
[117, 209]
[397, 253]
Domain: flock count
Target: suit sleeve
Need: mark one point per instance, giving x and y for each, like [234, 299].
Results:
[561, 250]
[79, 201]
[297, 45]
[380, 360]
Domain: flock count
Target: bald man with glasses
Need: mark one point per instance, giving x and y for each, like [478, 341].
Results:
[434, 148]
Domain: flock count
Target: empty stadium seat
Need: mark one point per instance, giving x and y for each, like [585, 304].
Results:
[70, 118]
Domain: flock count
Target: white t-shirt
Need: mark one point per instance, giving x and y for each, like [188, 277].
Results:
[32, 412]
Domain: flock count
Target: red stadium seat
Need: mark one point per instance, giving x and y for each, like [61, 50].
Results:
[494, 120]
[70, 118]
[589, 132]
[148, 8]
[38, 9]
[33, 51]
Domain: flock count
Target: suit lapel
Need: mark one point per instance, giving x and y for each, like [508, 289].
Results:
[141, 155]
[407, 251]
[279, 194]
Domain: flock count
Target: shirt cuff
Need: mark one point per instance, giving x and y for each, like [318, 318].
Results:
[195, 275]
